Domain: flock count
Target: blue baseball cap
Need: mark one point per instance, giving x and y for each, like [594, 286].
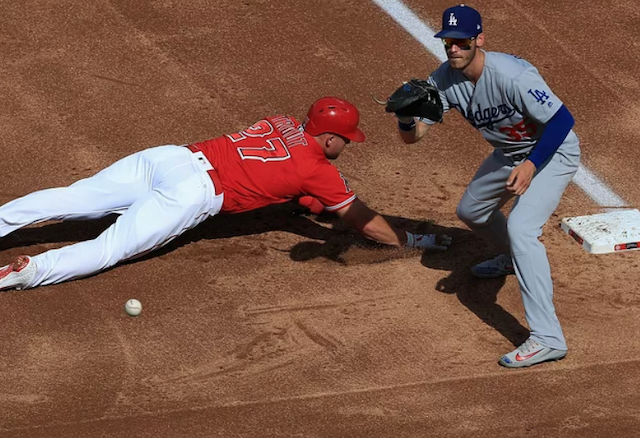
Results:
[460, 22]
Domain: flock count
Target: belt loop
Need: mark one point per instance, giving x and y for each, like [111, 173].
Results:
[519, 157]
[213, 173]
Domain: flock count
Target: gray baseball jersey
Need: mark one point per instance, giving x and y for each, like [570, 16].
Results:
[509, 105]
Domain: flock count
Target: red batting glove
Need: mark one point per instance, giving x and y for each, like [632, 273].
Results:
[312, 204]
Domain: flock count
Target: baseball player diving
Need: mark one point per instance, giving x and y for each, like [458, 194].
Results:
[536, 154]
[163, 191]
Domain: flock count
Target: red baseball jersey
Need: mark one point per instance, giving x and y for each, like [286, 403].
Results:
[272, 162]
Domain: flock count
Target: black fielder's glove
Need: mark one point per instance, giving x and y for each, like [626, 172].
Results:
[416, 98]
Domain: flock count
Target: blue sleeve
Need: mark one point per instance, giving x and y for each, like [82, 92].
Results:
[555, 132]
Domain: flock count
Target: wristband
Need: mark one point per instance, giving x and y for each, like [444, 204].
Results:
[406, 126]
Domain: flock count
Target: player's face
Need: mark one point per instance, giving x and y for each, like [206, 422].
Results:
[335, 145]
[461, 52]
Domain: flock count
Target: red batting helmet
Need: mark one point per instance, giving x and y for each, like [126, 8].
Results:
[337, 116]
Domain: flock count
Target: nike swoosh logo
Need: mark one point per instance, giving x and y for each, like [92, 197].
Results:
[528, 356]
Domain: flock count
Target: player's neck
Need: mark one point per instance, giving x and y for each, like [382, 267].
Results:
[474, 70]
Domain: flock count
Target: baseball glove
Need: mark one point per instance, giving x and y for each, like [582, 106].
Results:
[416, 98]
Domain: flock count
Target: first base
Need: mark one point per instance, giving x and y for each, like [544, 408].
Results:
[605, 232]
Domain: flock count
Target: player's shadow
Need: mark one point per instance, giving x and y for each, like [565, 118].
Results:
[330, 239]
[476, 294]
[289, 217]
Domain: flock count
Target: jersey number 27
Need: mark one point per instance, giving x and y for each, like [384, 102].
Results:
[256, 147]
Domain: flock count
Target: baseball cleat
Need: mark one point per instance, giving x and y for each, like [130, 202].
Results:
[17, 274]
[499, 266]
[530, 353]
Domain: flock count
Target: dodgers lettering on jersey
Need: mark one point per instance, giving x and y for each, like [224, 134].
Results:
[510, 104]
[271, 162]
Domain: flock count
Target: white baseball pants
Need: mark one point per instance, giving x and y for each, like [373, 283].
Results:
[159, 193]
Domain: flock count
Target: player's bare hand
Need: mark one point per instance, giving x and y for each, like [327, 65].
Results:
[520, 178]
[428, 241]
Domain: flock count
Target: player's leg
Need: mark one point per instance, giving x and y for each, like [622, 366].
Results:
[529, 214]
[111, 190]
[182, 197]
[480, 206]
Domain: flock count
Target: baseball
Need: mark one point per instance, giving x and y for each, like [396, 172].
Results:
[133, 307]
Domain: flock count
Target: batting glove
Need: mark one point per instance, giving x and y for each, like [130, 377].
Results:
[314, 206]
[428, 241]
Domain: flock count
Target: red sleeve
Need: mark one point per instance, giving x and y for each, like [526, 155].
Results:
[328, 185]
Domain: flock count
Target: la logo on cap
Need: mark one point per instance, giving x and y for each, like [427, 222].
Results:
[460, 21]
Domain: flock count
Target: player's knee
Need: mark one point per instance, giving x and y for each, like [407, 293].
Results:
[470, 216]
[522, 230]
[462, 213]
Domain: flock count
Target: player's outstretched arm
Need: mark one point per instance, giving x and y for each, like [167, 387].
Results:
[373, 226]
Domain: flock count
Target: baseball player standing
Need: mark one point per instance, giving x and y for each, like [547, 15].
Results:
[163, 191]
[536, 153]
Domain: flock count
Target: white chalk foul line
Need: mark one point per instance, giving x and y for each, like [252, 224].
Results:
[593, 186]
[596, 189]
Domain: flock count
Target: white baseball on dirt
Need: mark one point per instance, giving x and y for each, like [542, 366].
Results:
[133, 307]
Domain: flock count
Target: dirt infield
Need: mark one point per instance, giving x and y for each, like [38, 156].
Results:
[275, 324]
